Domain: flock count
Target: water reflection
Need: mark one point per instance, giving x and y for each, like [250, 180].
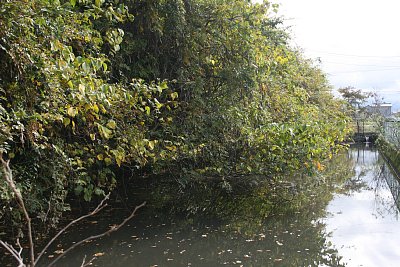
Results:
[392, 181]
[364, 222]
[346, 217]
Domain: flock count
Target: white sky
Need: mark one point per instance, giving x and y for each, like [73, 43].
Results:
[358, 41]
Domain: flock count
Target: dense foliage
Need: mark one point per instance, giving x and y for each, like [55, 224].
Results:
[193, 88]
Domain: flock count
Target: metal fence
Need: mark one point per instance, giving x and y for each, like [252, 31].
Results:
[391, 131]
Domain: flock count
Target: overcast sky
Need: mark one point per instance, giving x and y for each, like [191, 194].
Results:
[357, 41]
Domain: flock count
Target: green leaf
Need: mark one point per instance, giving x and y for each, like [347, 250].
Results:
[163, 85]
[174, 95]
[72, 2]
[98, 191]
[147, 108]
[108, 161]
[85, 67]
[78, 190]
[104, 131]
[66, 121]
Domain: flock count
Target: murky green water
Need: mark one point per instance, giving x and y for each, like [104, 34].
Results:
[322, 222]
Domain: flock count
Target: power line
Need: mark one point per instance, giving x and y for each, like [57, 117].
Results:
[352, 55]
[362, 65]
[355, 71]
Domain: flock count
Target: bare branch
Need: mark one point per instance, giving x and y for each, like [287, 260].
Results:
[112, 229]
[10, 181]
[99, 207]
[14, 252]
[84, 263]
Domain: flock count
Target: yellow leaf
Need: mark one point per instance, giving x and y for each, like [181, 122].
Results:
[151, 145]
[70, 84]
[174, 95]
[71, 111]
[100, 157]
[111, 124]
[93, 137]
[320, 167]
[81, 88]
[95, 108]
[104, 131]
[119, 161]
[171, 148]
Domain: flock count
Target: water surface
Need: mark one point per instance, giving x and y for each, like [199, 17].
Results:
[364, 223]
[346, 217]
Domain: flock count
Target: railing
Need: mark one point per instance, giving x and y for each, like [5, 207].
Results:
[391, 131]
[392, 181]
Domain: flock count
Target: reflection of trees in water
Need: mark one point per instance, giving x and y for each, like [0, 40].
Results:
[257, 225]
[252, 224]
[373, 173]
[385, 178]
[354, 176]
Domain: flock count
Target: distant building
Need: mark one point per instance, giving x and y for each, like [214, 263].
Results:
[384, 109]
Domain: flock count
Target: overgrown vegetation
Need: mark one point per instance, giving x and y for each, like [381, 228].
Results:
[192, 88]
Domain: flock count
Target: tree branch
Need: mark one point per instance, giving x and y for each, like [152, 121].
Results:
[99, 207]
[9, 179]
[84, 263]
[14, 252]
[112, 229]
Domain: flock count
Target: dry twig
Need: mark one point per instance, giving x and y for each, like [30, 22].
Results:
[16, 254]
[112, 229]
[10, 181]
[99, 207]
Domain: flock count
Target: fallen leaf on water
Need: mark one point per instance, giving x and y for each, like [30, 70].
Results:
[278, 260]
[279, 243]
[99, 254]
[60, 251]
